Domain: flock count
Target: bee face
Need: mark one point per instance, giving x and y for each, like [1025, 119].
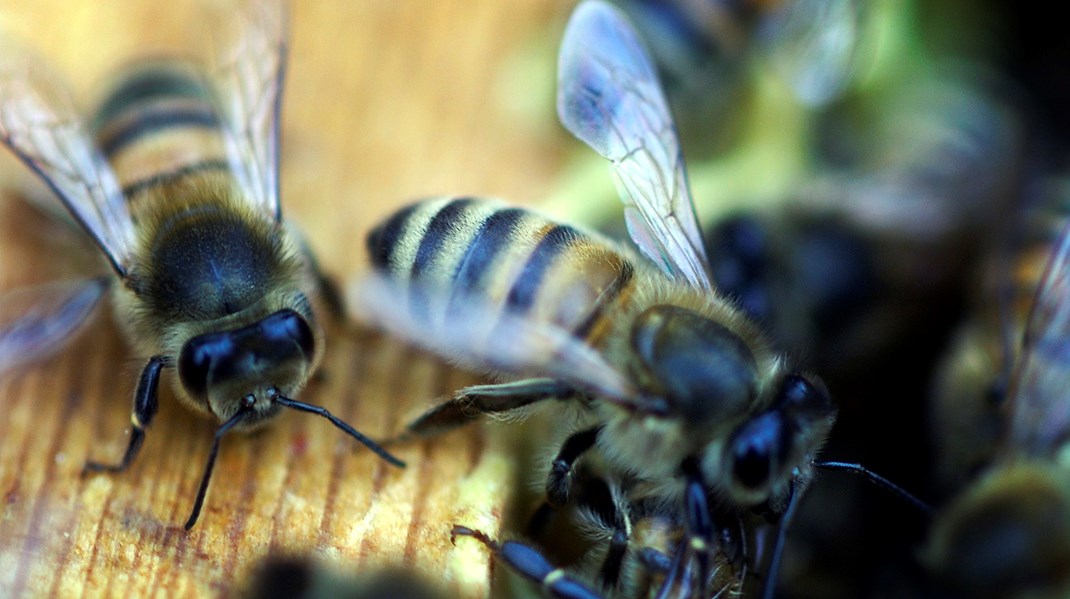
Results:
[264, 359]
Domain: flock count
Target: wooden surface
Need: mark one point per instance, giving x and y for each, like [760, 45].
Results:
[386, 101]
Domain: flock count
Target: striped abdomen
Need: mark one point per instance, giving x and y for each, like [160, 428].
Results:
[158, 124]
[457, 249]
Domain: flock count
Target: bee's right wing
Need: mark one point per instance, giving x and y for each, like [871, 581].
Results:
[609, 97]
[1039, 393]
[480, 337]
[38, 321]
[39, 124]
[248, 62]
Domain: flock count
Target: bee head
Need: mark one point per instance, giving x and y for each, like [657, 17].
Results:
[763, 452]
[269, 357]
[707, 373]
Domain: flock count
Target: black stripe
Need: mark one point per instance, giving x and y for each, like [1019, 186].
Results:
[155, 81]
[170, 176]
[439, 230]
[522, 295]
[151, 121]
[382, 239]
[627, 272]
[494, 235]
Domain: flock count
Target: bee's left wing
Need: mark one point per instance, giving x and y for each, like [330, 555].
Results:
[1040, 386]
[477, 335]
[248, 65]
[38, 321]
[39, 123]
[609, 97]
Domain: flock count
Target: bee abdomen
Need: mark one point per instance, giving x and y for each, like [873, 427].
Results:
[159, 122]
[450, 252]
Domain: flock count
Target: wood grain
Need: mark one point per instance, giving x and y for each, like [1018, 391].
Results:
[386, 101]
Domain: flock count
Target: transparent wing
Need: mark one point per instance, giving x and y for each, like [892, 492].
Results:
[1040, 386]
[479, 337]
[815, 46]
[38, 321]
[609, 97]
[39, 124]
[248, 64]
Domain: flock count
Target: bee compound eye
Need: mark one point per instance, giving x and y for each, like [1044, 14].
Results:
[287, 326]
[756, 449]
[806, 396]
[199, 358]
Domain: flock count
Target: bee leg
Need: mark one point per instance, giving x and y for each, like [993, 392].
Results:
[331, 295]
[672, 572]
[145, 404]
[610, 570]
[699, 523]
[559, 481]
[778, 545]
[472, 402]
[532, 565]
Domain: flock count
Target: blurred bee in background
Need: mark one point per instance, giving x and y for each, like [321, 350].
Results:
[870, 244]
[1002, 418]
[660, 376]
[176, 181]
[861, 277]
[705, 50]
[303, 577]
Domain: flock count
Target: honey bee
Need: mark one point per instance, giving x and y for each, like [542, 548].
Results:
[1006, 531]
[667, 380]
[175, 179]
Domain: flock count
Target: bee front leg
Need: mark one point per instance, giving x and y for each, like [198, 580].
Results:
[699, 523]
[559, 481]
[472, 402]
[145, 405]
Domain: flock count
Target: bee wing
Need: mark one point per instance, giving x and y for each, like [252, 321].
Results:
[1040, 406]
[39, 124]
[815, 46]
[609, 97]
[472, 336]
[248, 65]
[38, 321]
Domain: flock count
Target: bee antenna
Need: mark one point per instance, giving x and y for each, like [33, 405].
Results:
[781, 539]
[219, 432]
[338, 422]
[878, 480]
